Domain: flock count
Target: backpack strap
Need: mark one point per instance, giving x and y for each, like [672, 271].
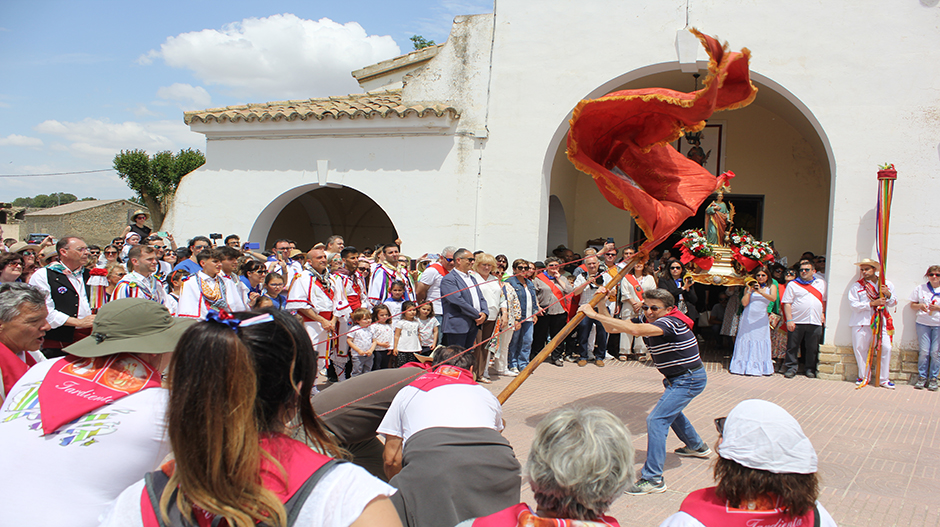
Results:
[816, 519]
[296, 502]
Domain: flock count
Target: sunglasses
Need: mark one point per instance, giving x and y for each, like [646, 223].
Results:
[720, 424]
[470, 259]
[28, 253]
[110, 252]
[652, 308]
[675, 268]
[806, 270]
[449, 259]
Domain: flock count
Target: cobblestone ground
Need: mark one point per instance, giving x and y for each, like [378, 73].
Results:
[879, 450]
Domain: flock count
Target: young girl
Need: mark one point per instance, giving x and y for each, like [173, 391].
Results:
[396, 293]
[428, 326]
[407, 342]
[361, 342]
[172, 301]
[382, 333]
[273, 290]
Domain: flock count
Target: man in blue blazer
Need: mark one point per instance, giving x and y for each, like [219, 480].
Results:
[464, 307]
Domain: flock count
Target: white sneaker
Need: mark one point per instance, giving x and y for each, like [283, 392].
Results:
[511, 372]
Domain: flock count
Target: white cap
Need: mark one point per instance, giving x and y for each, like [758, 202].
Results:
[761, 435]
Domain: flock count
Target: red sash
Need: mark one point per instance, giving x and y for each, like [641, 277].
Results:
[76, 386]
[636, 286]
[443, 375]
[706, 507]
[12, 368]
[439, 268]
[522, 515]
[813, 291]
[298, 460]
[565, 300]
[874, 294]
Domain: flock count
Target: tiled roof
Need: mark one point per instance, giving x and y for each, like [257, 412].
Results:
[76, 206]
[368, 105]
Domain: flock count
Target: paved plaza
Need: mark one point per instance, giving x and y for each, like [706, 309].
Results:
[879, 450]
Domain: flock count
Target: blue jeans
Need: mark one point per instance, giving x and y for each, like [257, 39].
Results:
[668, 413]
[588, 349]
[519, 347]
[928, 361]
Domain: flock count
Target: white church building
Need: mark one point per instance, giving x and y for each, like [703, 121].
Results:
[464, 143]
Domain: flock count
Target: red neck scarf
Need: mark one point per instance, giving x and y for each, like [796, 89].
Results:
[443, 375]
[680, 315]
[12, 367]
[76, 386]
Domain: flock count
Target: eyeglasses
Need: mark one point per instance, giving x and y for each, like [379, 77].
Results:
[28, 253]
[470, 259]
[720, 424]
[675, 268]
[403, 261]
[806, 270]
[652, 308]
[15, 264]
[449, 259]
[933, 275]
[110, 253]
[200, 246]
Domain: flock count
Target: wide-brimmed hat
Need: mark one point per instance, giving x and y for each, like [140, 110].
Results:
[22, 246]
[132, 325]
[293, 253]
[47, 252]
[138, 212]
[763, 436]
[869, 262]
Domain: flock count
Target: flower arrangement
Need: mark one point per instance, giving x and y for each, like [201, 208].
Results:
[741, 237]
[757, 250]
[694, 241]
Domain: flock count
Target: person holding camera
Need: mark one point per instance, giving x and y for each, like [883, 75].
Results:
[586, 285]
[752, 349]
[681, 287]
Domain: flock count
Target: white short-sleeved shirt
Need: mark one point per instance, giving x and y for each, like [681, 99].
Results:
[408, 340]
[337, 500]
[449, 406]
[426, 331]
[362, 337]
[922, 295]
[88, 462]
[383, 333]
[432, 278]
[804, 306]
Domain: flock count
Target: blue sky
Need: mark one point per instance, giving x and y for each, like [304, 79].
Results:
[81, 80]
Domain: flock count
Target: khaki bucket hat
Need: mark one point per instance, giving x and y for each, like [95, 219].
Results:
[131, 325]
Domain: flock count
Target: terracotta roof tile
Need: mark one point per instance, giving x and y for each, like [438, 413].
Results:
[368, 105]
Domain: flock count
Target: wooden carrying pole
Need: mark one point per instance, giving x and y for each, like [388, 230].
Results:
[563, 334]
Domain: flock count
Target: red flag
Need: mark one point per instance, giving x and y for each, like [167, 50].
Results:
[622, 141]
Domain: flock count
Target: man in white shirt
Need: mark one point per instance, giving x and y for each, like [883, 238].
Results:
[69, 312]
[586, 285]
[866, 299]
[442, 433]
[319, 298]
[207, 290]
[804, 308]
[428, 288]
[139, 282]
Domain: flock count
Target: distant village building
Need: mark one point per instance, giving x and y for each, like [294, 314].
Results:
[464, 143]
[97, 222]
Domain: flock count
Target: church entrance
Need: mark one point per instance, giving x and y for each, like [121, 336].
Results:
[313, 213]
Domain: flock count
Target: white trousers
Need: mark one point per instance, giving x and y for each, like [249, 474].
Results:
[861, 341]
[319, 338]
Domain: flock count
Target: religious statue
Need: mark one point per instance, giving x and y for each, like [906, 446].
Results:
[717, 218]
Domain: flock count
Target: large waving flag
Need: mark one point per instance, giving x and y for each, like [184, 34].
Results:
[622, 141]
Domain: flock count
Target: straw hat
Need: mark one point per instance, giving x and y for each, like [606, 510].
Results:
[138, 212]
[870, 263]
[22, 246]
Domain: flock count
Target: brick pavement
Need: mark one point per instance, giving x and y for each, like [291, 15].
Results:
[879, 450]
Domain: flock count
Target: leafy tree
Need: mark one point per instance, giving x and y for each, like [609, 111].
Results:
[155, 178]
[420, 42]
[44, 201]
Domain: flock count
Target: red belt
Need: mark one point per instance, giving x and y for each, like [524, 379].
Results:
[325, 314]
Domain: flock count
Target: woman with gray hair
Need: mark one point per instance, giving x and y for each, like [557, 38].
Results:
[22, 328]
[580, 461]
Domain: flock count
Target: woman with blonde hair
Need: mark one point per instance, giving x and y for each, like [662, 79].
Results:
[236, 382]
[483, 267]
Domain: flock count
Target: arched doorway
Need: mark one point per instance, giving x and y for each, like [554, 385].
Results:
[313, 213]
[557, 224]
[776, 147]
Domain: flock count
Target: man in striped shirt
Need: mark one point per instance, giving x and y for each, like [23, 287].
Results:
[668, 335]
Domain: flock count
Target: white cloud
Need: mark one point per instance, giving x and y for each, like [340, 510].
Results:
[142, 111]
[186, 96]
[20, 140]
[100, 140]
[278, 57]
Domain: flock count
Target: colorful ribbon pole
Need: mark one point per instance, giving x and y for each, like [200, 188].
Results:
[886, 178]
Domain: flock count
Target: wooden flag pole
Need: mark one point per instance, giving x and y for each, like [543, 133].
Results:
[563, 334]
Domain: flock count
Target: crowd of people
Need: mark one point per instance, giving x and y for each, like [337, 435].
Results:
[240, 334]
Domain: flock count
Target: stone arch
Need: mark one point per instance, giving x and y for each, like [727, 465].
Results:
[591, 215]
[311, 213]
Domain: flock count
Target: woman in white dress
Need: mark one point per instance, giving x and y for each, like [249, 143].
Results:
[752, 350]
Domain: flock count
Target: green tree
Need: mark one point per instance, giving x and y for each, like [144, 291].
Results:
[420, 42]
[44, 201]
[155, 178]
